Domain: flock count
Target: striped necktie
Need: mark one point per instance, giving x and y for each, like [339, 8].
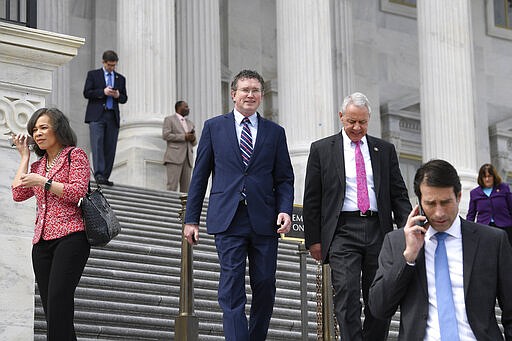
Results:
[245, 146]
[246, 141]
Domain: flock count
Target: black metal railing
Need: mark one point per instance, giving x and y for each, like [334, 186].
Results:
[20, 12]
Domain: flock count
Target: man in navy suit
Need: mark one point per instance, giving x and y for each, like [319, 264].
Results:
[105, 89]
[250, 203]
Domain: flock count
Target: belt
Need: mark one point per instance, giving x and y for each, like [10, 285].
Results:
[359, 213]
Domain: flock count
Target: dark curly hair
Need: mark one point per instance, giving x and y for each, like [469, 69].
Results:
[246, 74]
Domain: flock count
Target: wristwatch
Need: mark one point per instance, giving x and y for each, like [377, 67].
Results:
[48, 184]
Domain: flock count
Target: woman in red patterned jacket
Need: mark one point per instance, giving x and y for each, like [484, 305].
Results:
[58, 180]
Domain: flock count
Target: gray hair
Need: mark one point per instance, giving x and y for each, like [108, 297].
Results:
[358, 99]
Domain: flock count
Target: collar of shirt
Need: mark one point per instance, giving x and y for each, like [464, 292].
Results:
[348, 142]
[453, 231]
[105, 72]
[253, 126]
[239, 117]
[180, 117]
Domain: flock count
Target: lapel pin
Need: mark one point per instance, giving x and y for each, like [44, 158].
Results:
[376, 149]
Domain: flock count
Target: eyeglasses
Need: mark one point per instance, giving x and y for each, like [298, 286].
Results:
[248, 91]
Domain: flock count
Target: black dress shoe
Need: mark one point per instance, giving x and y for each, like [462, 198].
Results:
[100, 180]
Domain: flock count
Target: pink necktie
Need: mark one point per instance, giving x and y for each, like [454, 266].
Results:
[363, 201]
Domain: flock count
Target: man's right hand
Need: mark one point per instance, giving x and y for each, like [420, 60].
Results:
[414, 235]
[315, 250]
[191, 233]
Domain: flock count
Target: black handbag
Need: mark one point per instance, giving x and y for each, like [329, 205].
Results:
[101, 224]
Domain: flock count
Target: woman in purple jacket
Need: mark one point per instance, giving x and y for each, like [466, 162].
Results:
[491, 201]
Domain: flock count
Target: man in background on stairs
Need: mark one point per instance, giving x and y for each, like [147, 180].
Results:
[444, 272]
[179, 132]
[105, 89]
[353, 190]
[250, 203]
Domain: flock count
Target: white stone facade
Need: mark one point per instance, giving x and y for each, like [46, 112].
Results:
[438, 77]
[312, 54]
[28, 58]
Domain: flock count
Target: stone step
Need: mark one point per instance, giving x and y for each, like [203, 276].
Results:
[130, 288]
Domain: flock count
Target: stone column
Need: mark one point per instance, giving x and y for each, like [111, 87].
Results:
[28, 58]
[53, 16]
[146, 48]
[198, 70]
[306, 102]
[447, 89]
[343, 42]
[501, 147]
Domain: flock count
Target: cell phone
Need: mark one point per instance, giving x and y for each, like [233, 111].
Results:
[30, 140]
[421, 212]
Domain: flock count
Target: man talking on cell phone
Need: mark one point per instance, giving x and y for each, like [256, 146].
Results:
[446, 275]
[251, 192]
[105, 89]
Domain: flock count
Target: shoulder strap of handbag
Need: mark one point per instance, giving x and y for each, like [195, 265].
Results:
[88, 183]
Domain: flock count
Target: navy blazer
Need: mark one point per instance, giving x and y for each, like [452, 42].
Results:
[93, 91]
[487, 257]
[268, 178]
[498, 205]
[324, 191]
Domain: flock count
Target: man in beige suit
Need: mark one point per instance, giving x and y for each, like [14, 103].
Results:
[179, 133]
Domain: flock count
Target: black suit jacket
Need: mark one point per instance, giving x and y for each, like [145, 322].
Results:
[487, 260]
[325, 185]
[93, 91]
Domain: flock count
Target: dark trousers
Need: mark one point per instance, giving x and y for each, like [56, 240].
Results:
[103, 136]
[353, 257]
[233, 247]
[58, 265]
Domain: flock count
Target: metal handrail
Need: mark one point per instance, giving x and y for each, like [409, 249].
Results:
[186, 323]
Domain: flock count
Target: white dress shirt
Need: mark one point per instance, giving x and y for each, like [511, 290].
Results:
[253, 126]
[349, 150]
[455, 264]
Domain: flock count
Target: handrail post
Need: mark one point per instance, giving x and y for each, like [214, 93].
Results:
[327, 304]
[303, 291]
[186, 323]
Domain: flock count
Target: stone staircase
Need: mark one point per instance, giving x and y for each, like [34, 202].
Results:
[130, 288]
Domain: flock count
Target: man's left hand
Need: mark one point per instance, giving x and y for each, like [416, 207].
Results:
[285, 223]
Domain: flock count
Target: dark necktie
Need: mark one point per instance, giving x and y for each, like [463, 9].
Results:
[110, 99]
[246, 141]
[445, 306]
[245, 146]
[363, 201]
